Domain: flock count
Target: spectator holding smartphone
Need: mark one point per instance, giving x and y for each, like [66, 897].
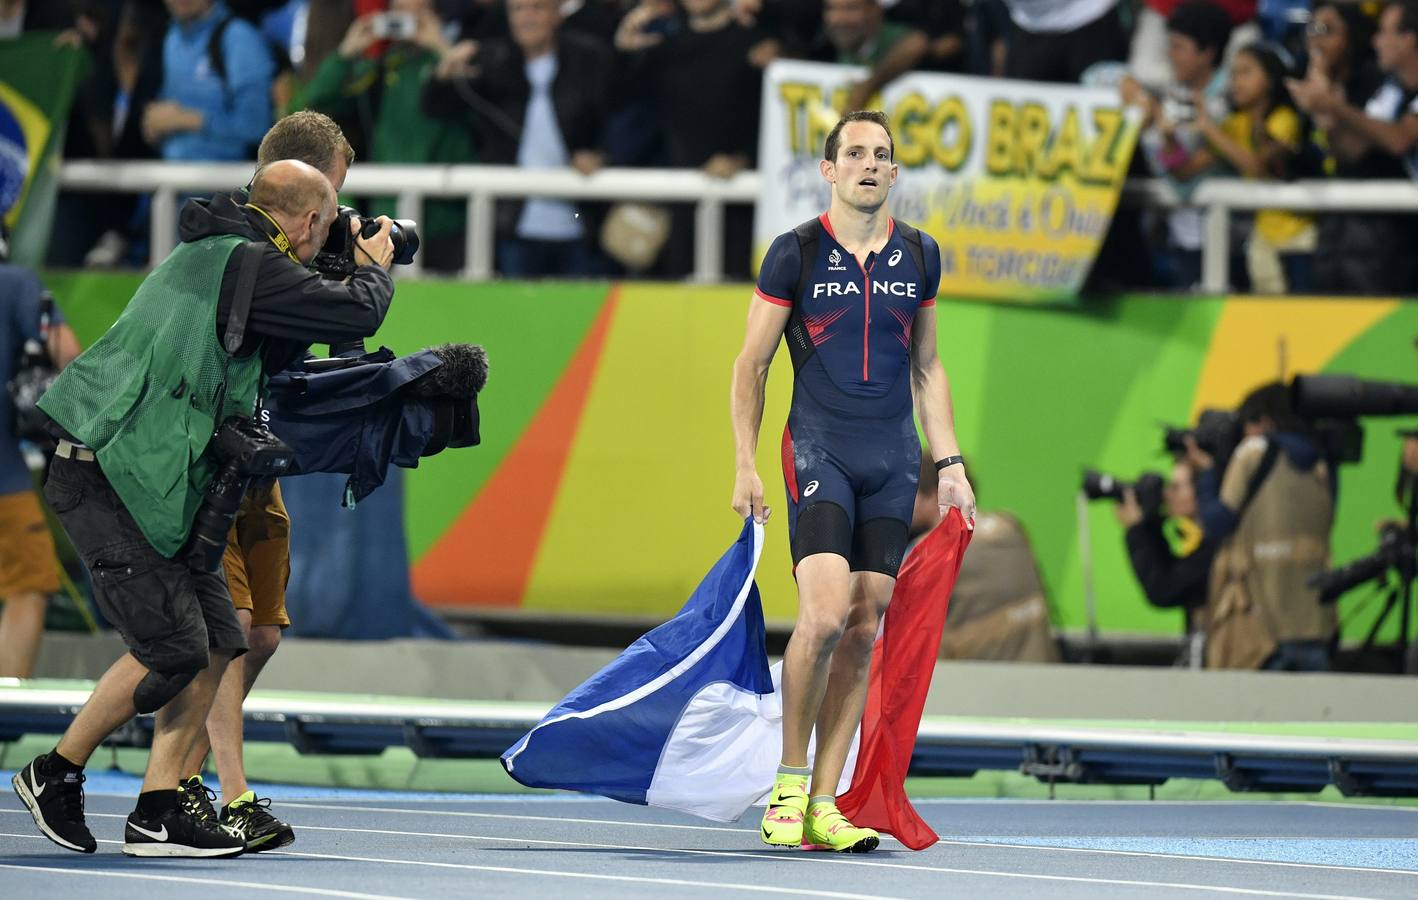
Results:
[374, 80]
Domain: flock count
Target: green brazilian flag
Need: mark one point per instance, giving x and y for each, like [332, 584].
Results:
[37, 82]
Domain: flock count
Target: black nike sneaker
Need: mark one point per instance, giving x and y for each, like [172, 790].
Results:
[57, 804]
[178, 832]
[197, 798]
[250, 817]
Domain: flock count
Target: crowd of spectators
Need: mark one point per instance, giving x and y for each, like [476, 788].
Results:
[1259, 89]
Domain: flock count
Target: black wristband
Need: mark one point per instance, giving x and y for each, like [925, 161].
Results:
[949, 461]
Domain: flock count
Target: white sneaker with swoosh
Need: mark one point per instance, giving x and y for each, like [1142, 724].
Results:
[176, 832]
[159, 835]
[56, 801]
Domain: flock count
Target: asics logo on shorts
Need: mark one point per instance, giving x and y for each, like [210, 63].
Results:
[810, 489]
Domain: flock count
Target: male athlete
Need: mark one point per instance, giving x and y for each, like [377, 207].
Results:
[854, 293]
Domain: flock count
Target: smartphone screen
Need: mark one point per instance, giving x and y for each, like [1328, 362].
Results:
[395, 26]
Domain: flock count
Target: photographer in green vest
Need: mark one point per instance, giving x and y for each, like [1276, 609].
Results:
[154, 430]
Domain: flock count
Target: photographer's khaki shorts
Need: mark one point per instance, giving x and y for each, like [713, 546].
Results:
[27, 561]
[257, 558]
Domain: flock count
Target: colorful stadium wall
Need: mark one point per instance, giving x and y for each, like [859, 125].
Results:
[602, 484]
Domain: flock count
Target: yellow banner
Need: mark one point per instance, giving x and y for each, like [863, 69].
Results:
[1017, 181]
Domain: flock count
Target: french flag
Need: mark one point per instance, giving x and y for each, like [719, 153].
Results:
[689, 717]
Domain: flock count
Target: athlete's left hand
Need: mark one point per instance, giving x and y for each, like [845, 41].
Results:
[955, 490]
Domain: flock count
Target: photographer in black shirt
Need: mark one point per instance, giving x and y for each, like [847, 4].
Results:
[1169, 555]
[135, 415]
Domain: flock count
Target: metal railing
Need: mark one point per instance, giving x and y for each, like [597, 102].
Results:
[1220, 197]
[481, 186]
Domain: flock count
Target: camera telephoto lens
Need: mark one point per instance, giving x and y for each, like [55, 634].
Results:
[1345, 396]
[215, 515]
[404, 234]
[1100, 485]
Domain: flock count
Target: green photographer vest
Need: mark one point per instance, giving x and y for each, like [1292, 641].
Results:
[145, 396]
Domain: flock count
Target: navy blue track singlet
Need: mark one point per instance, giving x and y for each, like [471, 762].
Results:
[850, 438]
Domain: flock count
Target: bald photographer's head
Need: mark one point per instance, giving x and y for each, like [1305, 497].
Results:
[299, 199]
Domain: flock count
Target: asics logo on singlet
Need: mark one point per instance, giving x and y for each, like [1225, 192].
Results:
[810, 489]
[837, 289]
[895, 258]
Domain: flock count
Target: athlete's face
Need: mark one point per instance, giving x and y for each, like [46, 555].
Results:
[863, 172]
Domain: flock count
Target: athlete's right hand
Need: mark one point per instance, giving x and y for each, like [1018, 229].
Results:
[748, 496]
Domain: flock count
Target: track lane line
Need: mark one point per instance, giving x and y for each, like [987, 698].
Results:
[722, 829]
[1361, 807]
[636, 879]
[947, 841]
[208, 883]
[767, 857]
[1219, 859]
[775, 858]
[1077, 879]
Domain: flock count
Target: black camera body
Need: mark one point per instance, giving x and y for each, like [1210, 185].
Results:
[336, 259]
[252, 447]
[1217, 431]
[1396, 550]
[247, 450]
[1148, 490]
[34, 373]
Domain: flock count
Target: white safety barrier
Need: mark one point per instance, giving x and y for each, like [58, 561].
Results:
[481, 186]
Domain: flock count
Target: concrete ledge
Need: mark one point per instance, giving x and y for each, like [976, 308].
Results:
[540, 673]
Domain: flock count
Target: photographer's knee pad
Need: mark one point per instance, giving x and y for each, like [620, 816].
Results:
[157, 688]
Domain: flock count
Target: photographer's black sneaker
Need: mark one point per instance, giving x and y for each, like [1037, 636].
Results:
[250, 817]
[177, 832]
[57, 803]
[197, 798]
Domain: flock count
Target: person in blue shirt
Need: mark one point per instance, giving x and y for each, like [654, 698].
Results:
[29, 570]
[215, 102]
[853, 292]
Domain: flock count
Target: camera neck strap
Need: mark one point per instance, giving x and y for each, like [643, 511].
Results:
[1262, 472]
[275, 233]
[248, 264]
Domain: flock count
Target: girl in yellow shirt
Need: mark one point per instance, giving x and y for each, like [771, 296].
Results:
[1261, 139]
